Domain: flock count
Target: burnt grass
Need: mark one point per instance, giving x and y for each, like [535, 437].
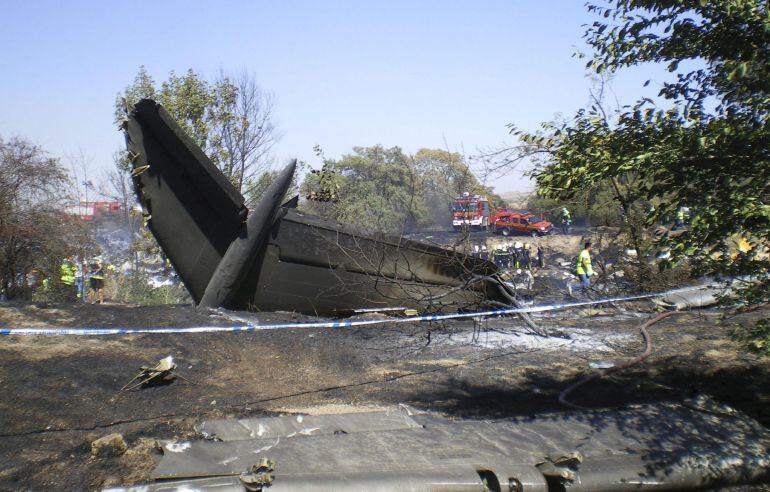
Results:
[62, 393]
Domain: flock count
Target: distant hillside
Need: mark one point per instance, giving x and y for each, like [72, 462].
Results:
[516, 199]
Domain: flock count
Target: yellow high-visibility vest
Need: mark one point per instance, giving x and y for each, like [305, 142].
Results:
[584, 263]
[67, 274]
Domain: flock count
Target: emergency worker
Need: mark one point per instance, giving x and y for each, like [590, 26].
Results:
[505, 257]
[518, 247]
[67, 275]
[79, 280]
[566, 220]
[96, 282]
[540, 257]
[526, 257]
[583, 267]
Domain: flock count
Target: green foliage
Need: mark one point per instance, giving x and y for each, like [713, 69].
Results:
[730, 37]
[597, 206]
[385, 190]
[446, 175]
[50, 291]
[379, 190]
[715, 161]
[755, 337]
[197, 105]
[229, 118]
[35, 234]
[258, 187]
[136, 290]
[142, 87]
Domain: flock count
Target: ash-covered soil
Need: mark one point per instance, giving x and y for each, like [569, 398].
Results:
[62, 393]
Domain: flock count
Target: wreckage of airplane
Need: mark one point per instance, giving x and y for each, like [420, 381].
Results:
[694, 445]
[274, 257]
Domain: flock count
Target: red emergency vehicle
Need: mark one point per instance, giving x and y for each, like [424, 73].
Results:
[470, 211]
[91, 210]
[508, 223]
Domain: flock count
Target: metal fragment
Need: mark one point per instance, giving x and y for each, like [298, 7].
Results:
[661, 446]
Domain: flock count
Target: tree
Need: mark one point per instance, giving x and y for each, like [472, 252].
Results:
[258, 187]
[35, 234]
[246, 131]
[595, 207]
[389, 191]
[379, 189]
[447, 175]
[190, 99]
[444, 176]
[230, 119]
[142, 87]
[197, 106]
[706, 145]
[119, 188]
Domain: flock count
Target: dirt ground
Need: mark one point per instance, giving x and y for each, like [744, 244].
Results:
[61, 393]
[566, 243]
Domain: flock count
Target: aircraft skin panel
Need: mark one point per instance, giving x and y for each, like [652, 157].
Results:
[191, 208]
[694, 445]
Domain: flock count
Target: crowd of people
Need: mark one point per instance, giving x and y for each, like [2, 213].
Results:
[518, 256]
[84, 281]
[511, 255]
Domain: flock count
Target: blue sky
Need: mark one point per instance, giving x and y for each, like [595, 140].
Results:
[344, 74]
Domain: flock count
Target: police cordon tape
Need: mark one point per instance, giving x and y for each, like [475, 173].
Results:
[329, 324]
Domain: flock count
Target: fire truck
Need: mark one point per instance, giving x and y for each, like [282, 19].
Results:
[470, 211]
[91, 210]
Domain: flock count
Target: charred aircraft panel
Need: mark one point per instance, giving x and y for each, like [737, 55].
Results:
[695, 445]
[190, 207]
[273, 257]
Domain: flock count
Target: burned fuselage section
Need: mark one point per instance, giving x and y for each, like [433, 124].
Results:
[273, 257]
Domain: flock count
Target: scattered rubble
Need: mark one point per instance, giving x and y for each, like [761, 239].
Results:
[109, 445]
[161, 372]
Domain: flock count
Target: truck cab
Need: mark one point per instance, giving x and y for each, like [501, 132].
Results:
[509, 223]
[470, 211]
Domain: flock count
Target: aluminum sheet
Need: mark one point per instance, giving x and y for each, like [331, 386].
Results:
[662, 446]
[315, 425]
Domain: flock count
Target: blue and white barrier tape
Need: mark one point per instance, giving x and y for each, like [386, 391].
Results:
[324, 324]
